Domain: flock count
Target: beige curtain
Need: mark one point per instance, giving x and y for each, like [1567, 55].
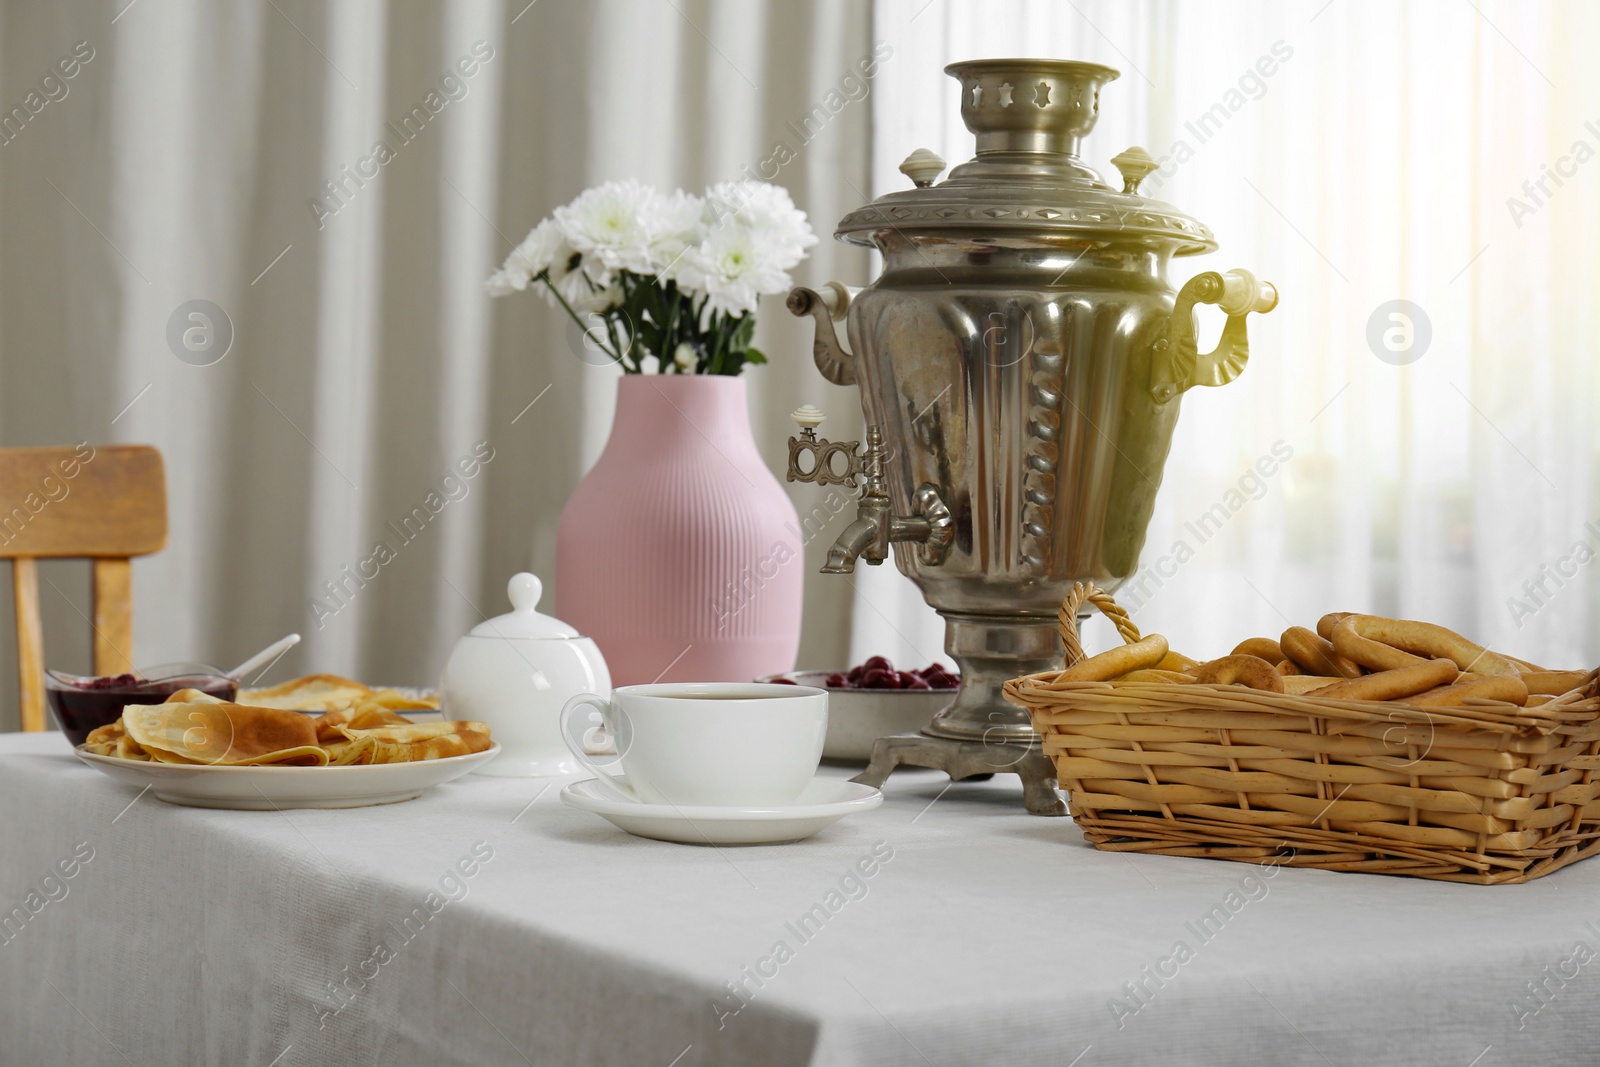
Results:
[229, 152]
[1355, 153]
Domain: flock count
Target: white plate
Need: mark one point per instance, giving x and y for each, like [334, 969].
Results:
[824, 802]
[273, 788]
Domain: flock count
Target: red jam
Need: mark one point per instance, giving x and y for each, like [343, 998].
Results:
[81, 707]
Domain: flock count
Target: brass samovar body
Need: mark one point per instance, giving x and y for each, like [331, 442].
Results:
[1021, 360]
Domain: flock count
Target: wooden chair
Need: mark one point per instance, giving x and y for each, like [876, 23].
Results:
[106, 504]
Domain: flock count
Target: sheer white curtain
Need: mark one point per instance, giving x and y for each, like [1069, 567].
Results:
[1363, 152]
[226, 151]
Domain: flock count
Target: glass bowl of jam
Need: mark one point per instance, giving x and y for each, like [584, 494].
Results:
[82, 703]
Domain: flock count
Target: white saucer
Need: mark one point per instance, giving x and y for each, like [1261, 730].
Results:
[824, 802]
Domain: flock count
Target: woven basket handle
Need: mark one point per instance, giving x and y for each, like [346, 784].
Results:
[1067, 619]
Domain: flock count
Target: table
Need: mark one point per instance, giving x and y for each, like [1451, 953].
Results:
[981, 935]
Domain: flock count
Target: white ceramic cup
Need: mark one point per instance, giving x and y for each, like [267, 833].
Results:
[697, 744]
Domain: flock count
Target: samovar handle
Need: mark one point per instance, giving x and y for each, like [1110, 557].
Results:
[826, 306]
[1177, 364]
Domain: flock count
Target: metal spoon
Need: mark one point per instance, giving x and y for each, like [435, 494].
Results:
[266, 655]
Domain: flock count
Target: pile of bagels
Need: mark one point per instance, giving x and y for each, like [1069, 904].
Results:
[1348, 656]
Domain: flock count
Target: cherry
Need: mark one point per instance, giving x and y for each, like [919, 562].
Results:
[878, 673]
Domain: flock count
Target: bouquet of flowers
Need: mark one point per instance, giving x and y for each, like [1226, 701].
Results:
[669, 277]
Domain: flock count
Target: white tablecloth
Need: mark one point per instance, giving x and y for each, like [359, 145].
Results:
[981, 935]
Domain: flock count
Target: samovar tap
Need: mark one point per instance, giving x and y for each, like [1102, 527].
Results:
[930, 526]
[858, 539]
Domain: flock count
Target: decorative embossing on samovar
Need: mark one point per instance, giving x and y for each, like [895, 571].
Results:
[1021, 360]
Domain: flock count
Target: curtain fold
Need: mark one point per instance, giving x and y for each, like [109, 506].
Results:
[230, 152]
[1355, 153]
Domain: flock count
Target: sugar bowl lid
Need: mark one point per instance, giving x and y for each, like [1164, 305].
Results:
[524, 621]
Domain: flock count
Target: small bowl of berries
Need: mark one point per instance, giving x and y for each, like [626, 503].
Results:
[83, 702]
[874, 699]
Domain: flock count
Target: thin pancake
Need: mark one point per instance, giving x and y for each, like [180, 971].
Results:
[395, 700]
[224, 734]
[349, 753]
[314, 692]
[365, 717]
[107, 733]
[192, 696]
[128, 748]
[463, 743]
[420, 741]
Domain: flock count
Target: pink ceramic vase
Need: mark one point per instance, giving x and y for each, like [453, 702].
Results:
[679, 553]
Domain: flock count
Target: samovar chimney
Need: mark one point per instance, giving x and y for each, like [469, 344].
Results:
[1021, 107]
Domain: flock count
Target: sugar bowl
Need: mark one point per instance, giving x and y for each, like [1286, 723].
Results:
[515, 672]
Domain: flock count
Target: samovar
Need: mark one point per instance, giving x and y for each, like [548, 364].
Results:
[1021, 360]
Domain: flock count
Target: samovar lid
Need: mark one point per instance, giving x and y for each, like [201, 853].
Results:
[1027, 180]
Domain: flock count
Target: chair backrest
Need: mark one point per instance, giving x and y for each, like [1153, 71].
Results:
[105, 503]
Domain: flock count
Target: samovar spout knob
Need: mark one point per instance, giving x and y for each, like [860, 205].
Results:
[808, 418]
[818, 460]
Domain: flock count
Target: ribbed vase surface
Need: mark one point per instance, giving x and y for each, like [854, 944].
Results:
[680, 553]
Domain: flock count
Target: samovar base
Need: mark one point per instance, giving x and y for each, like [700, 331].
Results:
[969, 759]
[990, 651]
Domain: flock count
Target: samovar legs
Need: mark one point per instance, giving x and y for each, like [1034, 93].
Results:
[981, 733]
[969, 759]
[990, 650]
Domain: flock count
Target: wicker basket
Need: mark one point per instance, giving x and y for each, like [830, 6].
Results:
[1484, 793]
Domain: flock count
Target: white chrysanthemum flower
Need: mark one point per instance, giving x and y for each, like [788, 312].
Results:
[766, 209]
[733, 266]
[545, 248]
[575, 276]
[512, 277]
[544, 245]
[612, 223]
[573, 286]
[596, 300]
[675, 227]
[504, 283]
[708, 262]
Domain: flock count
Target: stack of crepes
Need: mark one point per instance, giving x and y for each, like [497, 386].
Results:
[268, 727]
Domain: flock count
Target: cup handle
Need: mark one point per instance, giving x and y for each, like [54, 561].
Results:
[572, 734]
